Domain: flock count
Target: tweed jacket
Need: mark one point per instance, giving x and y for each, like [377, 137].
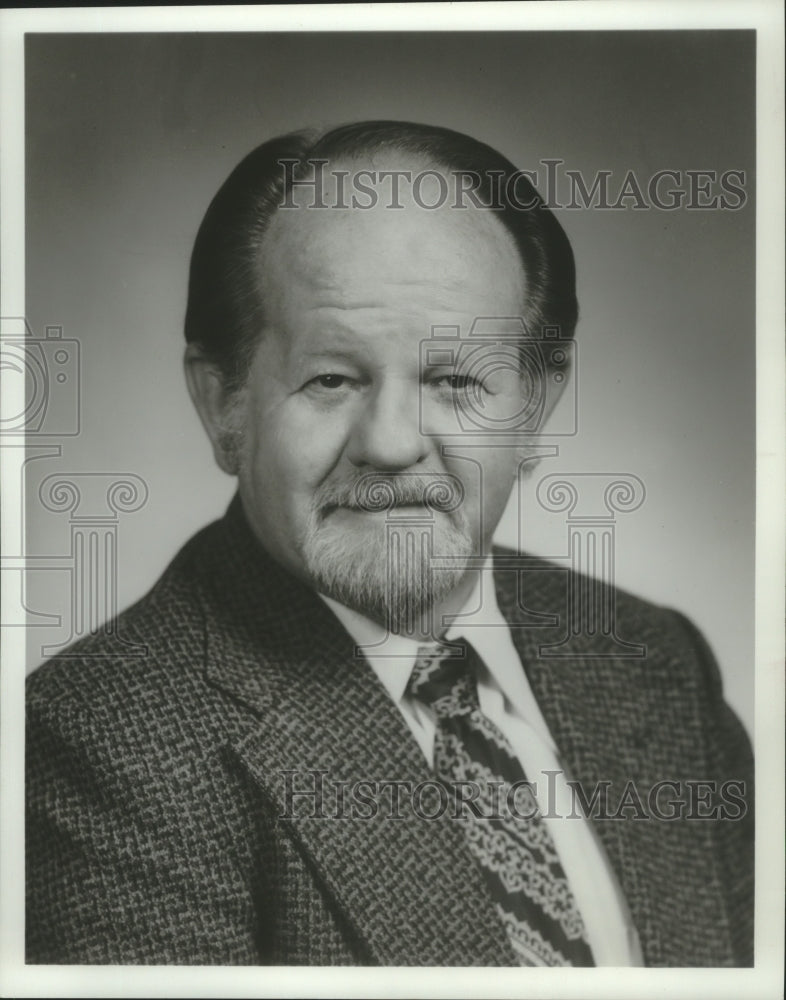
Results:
[159, 828]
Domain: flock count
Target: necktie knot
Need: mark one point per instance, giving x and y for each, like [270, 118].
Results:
[443, 678]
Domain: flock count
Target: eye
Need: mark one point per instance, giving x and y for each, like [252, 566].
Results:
[329, 381]
[456, 382]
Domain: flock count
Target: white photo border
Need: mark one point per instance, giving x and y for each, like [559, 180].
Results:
[765, 979]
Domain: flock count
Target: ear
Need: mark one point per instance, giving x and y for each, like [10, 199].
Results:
[214, 404]
[555, 384]
[553, 388]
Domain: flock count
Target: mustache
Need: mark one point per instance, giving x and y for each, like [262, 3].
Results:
[376, 492]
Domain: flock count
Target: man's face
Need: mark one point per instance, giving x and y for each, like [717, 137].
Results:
[338, 389]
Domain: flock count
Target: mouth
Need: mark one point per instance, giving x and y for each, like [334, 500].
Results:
[353, 508]
[401, 496]
[338, 508]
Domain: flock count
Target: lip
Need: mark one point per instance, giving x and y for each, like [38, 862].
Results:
[354, 509]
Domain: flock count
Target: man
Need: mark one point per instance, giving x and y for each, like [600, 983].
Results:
[350, 741]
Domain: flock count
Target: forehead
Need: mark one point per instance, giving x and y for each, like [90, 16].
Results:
[395, 246]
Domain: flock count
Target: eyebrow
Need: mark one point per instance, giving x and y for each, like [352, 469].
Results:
[338, 353]
[326, 354]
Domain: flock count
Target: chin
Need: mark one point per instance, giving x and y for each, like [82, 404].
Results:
[383, 569]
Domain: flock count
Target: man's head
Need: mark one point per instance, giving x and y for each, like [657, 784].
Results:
[315, 287]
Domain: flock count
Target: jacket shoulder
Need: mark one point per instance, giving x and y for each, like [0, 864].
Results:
[159, 632]
[591, 620]
[547, 586]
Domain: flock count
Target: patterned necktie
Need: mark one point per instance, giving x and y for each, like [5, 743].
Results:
[512, 847]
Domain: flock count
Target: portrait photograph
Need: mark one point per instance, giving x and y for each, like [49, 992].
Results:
[392, 459]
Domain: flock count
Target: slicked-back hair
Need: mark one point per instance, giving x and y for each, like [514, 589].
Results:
[225, 311]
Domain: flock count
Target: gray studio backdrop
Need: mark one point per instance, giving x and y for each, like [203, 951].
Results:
[129, 136]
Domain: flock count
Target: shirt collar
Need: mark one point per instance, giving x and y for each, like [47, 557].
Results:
[491, 639]
[394, 665]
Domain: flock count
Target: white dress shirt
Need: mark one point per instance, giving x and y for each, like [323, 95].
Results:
[506, 698]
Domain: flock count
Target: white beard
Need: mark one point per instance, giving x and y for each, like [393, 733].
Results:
[386, 568]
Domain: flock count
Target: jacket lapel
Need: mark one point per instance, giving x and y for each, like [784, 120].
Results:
[319, 721]
[621, 720]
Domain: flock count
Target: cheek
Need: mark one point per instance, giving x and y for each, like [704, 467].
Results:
[291, 450]
[487, 477]
[499, 475]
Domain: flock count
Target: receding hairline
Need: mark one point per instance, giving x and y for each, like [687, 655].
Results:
[471, 221]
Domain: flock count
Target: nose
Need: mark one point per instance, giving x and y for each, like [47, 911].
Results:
[386, 432]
